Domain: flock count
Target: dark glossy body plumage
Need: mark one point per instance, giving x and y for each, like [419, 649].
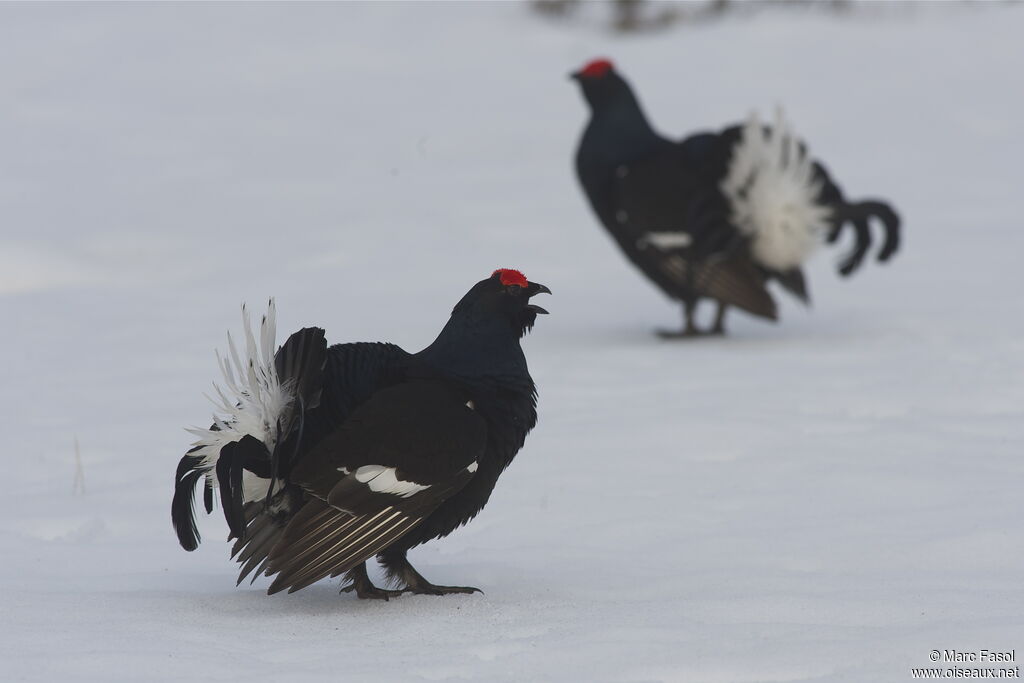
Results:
[719, 214]
[372, 450]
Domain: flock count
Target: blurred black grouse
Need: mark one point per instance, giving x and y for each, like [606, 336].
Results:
[328, 456]
[719, 214]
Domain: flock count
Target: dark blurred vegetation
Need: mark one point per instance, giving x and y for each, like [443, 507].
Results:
[644, 15]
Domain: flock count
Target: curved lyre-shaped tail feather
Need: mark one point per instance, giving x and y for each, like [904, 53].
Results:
[253, 402]
[859, 215]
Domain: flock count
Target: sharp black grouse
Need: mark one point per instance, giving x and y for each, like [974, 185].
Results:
[325, 457]
[717, 215]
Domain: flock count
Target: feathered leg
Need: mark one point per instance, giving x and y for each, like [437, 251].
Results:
[402, 573]
[719, 326]
[690, 328]
[364, 588]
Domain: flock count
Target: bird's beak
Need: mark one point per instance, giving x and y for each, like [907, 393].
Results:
[536, 288]
[574, 76]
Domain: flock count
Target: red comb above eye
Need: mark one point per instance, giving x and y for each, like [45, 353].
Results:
[511, 277]
[596, 68]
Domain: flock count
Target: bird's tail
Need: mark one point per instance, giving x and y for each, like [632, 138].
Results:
[257, 409]
[773, 190]
[859, 215]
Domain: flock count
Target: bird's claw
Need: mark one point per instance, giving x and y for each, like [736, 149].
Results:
[688, 333]
[371, 592]
[431, 589]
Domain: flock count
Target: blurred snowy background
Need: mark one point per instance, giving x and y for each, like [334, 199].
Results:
[826, 499]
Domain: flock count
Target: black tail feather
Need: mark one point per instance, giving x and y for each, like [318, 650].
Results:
[859, 215]
[227, 496]
[183, 514]
[300, 362]
[248, 453]
[852, 261]
[891, 221]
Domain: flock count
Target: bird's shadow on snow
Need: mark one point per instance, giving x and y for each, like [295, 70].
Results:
[502, 586]
[312, 601]
[325, 599]
[741, 333]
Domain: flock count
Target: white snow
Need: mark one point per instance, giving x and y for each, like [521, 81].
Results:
[825, 499]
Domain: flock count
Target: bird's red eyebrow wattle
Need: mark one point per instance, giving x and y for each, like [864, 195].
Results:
[596, 68]
[511, 277]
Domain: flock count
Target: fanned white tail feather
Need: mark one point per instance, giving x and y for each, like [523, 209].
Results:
[771, 187]
[251, 402]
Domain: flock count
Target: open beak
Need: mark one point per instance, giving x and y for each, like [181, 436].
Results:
[536, 288]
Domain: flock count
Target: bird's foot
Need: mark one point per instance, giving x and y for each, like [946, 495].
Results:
[427, 588]
[365, 590]
[401, 573]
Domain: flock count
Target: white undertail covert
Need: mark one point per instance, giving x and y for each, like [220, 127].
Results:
[771, 187]
[252, 401]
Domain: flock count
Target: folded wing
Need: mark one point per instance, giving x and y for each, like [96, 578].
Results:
[392, 463]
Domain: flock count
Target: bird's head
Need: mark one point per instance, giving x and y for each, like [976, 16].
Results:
[502, 299]
[600, 82]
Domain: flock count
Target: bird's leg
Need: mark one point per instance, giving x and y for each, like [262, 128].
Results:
[719, 326]
[364, 588]
[690, 328]
[689, 315]
[402, 573]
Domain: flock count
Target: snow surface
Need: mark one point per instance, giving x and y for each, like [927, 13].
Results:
[826, 499]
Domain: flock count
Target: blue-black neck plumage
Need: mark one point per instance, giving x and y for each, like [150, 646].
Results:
[479, 350]
[618, 132]
[477, 347]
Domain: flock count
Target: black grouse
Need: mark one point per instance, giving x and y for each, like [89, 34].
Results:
[325, 457]
[717, 215]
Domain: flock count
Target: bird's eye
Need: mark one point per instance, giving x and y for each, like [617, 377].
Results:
[514, 289]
